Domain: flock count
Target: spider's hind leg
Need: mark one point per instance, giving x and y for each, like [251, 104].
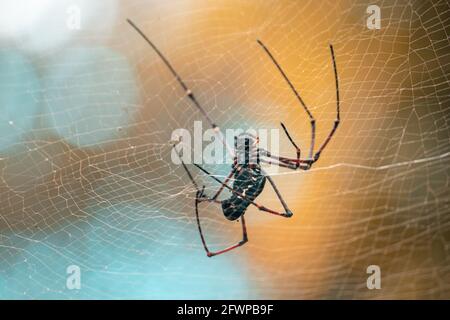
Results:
[287, 212]
[198, 200]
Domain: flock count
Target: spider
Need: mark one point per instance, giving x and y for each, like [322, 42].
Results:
[249, 178]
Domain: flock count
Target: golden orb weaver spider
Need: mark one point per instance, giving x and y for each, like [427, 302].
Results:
[249, 177]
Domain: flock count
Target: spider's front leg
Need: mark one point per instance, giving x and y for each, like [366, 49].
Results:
[289, 163]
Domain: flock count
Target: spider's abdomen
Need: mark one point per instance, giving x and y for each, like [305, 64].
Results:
[248, 182]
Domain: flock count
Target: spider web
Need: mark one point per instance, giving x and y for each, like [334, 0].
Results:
[87, 177]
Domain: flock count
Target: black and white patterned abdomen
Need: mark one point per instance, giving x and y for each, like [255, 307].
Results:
[249, 182]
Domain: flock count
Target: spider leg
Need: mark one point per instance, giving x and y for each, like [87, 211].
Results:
[338, 117]
[188, 172]
[311, 118]
[292, 142]
[222, 187]
[191, 177]
[186, 89]
[200, 197]
[215, 253]
[297, 95]
[290, 163]
[282, 161]
[287, 212]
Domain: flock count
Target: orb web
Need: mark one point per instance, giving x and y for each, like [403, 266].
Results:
[114, 203]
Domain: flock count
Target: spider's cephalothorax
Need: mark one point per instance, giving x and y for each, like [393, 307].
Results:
[248, 175]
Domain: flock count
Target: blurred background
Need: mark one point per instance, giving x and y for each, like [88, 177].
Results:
[86, 178]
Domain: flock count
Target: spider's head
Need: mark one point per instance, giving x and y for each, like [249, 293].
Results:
[246, 146]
